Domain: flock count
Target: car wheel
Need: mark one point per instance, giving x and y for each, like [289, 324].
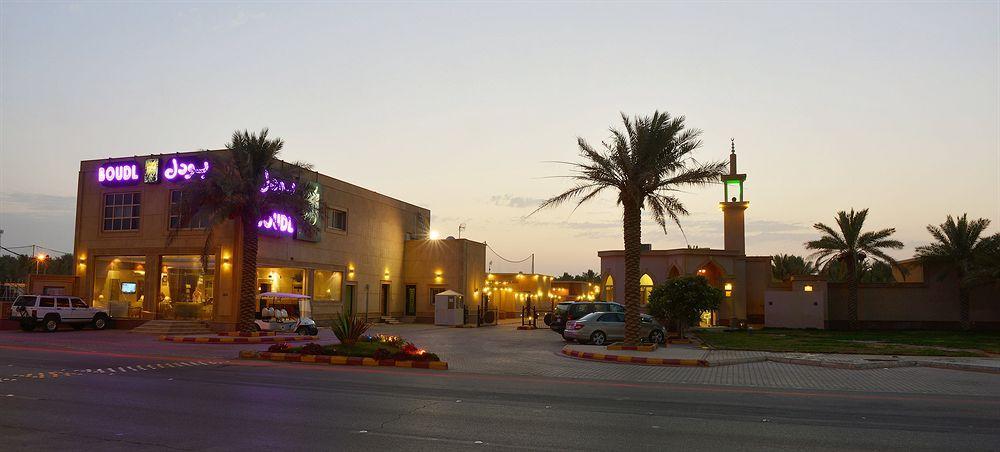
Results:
[303, 331]
[51, 323]
[548, 319]
[100, 322]
[28, 325]
[598, 338]
[656, 337]
[255, 327]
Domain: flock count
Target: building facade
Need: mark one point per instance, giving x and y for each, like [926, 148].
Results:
[134, 259]
[744, 279]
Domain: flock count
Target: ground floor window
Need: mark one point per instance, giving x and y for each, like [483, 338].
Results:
[326, 285]
[119, 285]
[281, 279]
[187, 288]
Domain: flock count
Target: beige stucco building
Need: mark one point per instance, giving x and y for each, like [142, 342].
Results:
[372, 256]
[743, 278]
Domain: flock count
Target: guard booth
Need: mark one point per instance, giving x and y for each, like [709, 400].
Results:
[449, 308]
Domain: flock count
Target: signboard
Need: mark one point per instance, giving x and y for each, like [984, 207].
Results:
[118, 173]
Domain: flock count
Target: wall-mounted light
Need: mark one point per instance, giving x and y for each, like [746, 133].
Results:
[728, 287]
[808, 288]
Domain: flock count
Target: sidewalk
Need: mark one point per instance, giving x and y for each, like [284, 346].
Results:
[674, 353]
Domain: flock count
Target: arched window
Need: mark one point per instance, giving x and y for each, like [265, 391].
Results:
[609, 289]
[645, 288]
[674, 272]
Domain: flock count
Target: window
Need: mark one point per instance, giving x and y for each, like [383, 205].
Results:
[121, 211]
[612, 317]
[110, 272]
[177, 214]
[338, 220]
[326, 285]
[62, 302]
[187, 288]
[435, 291]
[46, 302]
[78, 303]
[25, 301]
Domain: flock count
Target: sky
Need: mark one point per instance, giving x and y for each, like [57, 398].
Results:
[460, 107]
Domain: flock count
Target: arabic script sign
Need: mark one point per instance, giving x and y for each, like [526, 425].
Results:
[184, 170]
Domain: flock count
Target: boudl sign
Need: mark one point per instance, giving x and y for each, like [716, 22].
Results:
[129, 173]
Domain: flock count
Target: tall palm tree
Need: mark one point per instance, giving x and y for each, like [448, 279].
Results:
[851, 247]
[236, 189]
[960, 246]
[784, 266]
[645, 164]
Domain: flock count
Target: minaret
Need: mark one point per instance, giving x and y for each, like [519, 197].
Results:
[733, 205]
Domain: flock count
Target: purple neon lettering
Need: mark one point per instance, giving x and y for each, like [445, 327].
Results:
[278, 222]
[185, 170]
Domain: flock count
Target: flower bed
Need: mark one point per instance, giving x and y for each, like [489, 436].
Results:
[380, 347]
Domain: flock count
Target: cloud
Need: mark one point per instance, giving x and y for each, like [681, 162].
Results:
[517, 202]
[37, 204]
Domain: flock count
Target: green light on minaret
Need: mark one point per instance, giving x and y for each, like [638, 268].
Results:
[734, 190]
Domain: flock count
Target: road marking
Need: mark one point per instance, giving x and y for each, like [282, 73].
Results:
[106, 371]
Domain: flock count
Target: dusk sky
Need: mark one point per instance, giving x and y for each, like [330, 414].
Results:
[458, 107]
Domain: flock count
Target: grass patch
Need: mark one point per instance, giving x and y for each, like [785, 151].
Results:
[913, 343]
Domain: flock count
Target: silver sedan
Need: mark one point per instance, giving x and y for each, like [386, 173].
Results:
[599, 328]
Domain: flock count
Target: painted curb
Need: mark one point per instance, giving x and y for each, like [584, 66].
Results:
[526, 327]
[634, 359]
[243, 334]
[342, 360]
[238, 340]
[638, 348]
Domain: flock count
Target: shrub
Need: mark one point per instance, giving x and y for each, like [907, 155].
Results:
[349, 328]
[311, 349]
[381, 354]
[682, 300]
[279, 348]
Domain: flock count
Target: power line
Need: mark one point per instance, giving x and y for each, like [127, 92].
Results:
[508, 260]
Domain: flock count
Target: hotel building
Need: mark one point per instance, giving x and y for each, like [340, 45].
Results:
[371, 256]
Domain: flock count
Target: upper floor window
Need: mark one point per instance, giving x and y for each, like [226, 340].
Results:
[121, 211]
[177, 220]
[338, 219]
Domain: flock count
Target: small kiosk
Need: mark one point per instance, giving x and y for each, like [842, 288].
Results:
[449, 308]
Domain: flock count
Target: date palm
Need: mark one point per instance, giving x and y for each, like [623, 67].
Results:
[644, 165]
[784, 266]
[234, 191]
[851, 246]
[960, 245]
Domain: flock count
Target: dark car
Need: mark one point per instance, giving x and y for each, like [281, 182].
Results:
[574, 310]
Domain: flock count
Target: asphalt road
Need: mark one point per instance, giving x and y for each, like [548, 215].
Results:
[93, 400]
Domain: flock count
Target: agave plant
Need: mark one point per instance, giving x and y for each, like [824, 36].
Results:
[349, 328]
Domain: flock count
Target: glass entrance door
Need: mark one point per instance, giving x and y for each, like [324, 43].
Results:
[411, 299]
[385, 299]
[349, 299]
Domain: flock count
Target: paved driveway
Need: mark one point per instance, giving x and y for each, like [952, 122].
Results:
[507, 351]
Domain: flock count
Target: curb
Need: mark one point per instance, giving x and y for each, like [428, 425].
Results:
[634, 359]
[677, 340]
[238, 340]
[638, 348]
[342, 360]
[526, 327]
[242, 334]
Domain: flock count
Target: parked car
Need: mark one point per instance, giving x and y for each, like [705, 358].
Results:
[571, 310]
[51, 310]
[599, 328]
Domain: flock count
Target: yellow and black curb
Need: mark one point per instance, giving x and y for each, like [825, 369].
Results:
[634, 359]
[238, 340]
[638, 348]
[342, 360]
[251, 334]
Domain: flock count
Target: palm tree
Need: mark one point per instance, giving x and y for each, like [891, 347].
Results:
[235, 190]
[852, 247]
[645, 164]
[961, 246]
[784, 266]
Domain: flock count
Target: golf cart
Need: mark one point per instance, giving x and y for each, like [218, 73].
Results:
[285, 313]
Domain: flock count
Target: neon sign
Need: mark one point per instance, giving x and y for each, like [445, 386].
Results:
[118, 174]
[152, 175]
[277, 222]
[274, 184]
[184, 170]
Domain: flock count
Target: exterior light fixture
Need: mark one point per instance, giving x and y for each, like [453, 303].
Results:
[729, 286]
[808, 288]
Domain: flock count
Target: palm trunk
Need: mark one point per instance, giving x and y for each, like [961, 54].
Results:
[852, 294]
[633, 251]
[248, 276]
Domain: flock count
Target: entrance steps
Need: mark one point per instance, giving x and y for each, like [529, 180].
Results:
[173, 327]
[389, 320]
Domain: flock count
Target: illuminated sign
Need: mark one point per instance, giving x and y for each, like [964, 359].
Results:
[122, 173]
[152, 175]
[184, 170]
[277, 222]
[274, 184]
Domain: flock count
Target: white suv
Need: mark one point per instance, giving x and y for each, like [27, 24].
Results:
[51, 310]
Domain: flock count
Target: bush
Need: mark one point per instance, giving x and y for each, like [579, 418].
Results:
[311, 349]
[381, 354]
[682, 300]
[349, 328]
[279, 348]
